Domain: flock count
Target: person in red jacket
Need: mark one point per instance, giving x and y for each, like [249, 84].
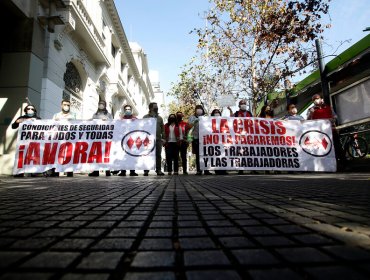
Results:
[322, 111]
[184, 129]
[172, 137]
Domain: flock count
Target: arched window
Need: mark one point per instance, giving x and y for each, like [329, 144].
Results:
[73, 88]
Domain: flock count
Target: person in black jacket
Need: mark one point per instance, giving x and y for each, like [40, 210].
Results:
[30, 112]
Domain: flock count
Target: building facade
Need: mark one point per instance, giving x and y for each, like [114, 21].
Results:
[75, 50]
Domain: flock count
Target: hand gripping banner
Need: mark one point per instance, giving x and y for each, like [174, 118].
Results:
[85, 145]
[228, 143]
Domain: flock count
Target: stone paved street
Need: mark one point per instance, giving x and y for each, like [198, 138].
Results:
[286, 226]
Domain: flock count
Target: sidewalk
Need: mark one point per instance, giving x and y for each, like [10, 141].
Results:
[288, 226]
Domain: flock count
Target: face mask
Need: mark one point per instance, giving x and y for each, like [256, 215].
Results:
[128, 112]
[155, 110]
[317, 102]
[294, 111]
[179, 118]
[171, 120]
[199, 112]
[101, 107]
[217, 115]
[30, 113]
[66, 108]
[243, 107]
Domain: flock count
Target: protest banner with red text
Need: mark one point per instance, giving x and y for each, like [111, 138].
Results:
[85, 145]
[228, 143]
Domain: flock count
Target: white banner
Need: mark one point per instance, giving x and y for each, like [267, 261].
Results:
[85, 145]
[228, 143]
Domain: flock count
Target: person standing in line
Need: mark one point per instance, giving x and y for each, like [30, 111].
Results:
[243, 113]
[101, 114]
[153, 113]
[30, 114]
[127, 115]
[266, 112]
[172, 134]
[292, 113]
[322, 111]
[217, 113]
[194, 122]
[184, 129]
[65, 114]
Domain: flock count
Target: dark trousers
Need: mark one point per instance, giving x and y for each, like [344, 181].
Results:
[172, 155]
[158, 157]
[195, 149]
[183, 154]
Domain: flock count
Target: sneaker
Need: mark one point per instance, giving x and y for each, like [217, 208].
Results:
[206, 172]
[146, 173]
[69, 174]
[123, 173]
[107, 173]
[133, 174]
[160, 173]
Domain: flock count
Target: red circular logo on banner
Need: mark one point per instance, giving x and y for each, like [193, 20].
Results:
[138, 143]
[316, 143]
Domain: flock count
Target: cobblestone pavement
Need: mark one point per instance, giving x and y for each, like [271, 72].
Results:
[287, 226]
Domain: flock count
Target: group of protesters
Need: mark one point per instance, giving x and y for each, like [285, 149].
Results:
[176, 134]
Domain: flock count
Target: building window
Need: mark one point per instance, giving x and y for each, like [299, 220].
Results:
[114, 51]
[72, 89]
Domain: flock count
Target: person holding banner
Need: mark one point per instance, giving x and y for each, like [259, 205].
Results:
[153, 113]
[321, 111]
[194, 122]
[30, 113]
[172, 134]
[292, 113]
[243, 112]
[127, 115]
[101, 114]
[217, 113]
[184, 129]
[65, 114]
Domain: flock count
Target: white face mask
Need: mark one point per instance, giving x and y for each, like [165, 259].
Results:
[294, 111]
[199, 112]
[217, 115]
[66, 108]
[243, 107]
[317, 101]
[101, 107]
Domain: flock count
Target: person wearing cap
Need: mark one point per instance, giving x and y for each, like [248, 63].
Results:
[292, 113]
[322, 111]
[101, 114]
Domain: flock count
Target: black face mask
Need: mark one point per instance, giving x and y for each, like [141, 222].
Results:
[179, 118]
[171, 120]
